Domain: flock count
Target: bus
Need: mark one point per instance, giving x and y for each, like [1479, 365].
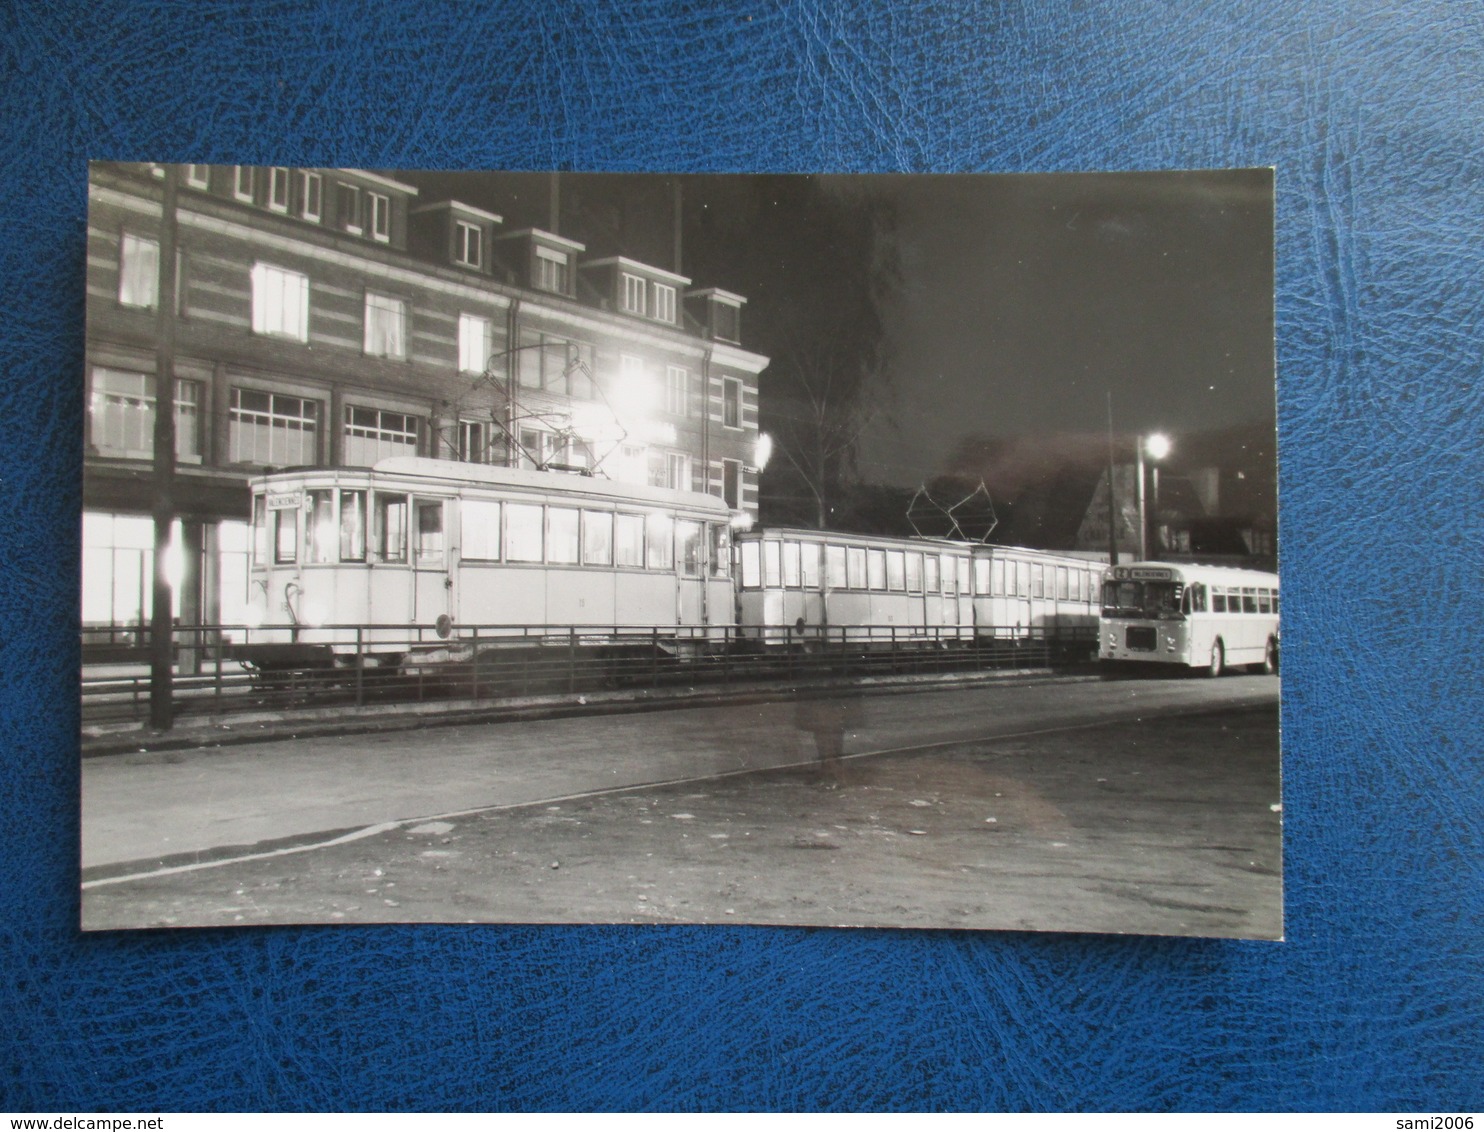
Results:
[1203, 617]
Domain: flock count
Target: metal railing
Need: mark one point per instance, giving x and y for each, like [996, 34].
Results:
[221, 669]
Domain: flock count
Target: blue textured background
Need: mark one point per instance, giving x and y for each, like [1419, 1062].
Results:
[1372, 114]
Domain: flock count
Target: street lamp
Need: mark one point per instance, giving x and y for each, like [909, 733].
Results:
[1156, 446]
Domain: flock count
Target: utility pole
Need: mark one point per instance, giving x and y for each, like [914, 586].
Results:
[161, 622]
[1112, 505]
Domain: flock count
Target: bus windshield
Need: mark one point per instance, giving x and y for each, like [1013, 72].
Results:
[1142, 599]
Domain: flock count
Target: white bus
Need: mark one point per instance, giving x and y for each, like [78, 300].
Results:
[1208, 617]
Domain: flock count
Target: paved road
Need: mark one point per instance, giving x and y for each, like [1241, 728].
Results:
[168, 805]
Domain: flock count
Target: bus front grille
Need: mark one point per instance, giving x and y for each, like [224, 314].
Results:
[1140, 637]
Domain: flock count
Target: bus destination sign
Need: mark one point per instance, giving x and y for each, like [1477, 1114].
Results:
[1144, 573]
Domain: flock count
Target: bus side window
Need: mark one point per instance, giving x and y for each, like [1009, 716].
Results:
[1249, 600]
[1218, 601]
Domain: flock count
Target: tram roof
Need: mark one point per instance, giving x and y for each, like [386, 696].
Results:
[450, 473]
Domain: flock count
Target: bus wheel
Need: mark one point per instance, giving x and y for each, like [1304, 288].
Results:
[1270, 658]
[1218, 660]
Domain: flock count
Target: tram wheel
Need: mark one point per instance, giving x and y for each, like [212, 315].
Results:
[1218, 660]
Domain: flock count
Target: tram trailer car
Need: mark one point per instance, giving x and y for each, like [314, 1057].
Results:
[477, 553]
[803, 587]
[1198, 617]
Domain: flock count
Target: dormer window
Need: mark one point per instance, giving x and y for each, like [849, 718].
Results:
[242, 183]
[348, 208]
[634, 294]
[551, 271]
[311, 204]
[468, 246]
[278, 189]
[379, 206]
[664, 302]
[727, 319]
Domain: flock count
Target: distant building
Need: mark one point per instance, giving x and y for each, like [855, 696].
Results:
[330, 317]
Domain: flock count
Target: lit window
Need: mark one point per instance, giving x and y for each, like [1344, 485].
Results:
[312, 196]
[391, 528]
[380, 207]
[139, 271]
[121, 415]
[664, 302]
[555, 364]
[468, 244]
[633, 294]
[198, 176]
[561, 535]
[280, 302]
[474, 343]
[597, 538]
[688, 543]
[278, 189]
[270, 428]
[374, 434]
[479, 530]
[834, 567]
[896, 570]
[352, 526]
[523, 532]
[628, 540]
[242, 183]
[551, 271]
[731, 403]
[348, 208]
[428, 549]
[677, 390]
[386, 326]
[659, 540]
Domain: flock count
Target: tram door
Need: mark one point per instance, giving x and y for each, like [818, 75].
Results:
[432, 589]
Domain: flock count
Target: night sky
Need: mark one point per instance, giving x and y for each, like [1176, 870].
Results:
[1002, 306]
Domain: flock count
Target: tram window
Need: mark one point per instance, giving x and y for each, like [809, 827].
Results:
[953, 566]
[1063, 585]
[391, 528]
[1249, 600]
[896, 570]
[479, 530]
[1038, 588]
[1022, 579]
[688, 544]
[930, 576]
[429, 550]
[352, 526]
[561, 536]
[523, 532]
[809, 554]
[834, 567]
[628, 540]
[597, 538]
[721, 558]
[319, 528]
[259, 531]
[914, 572]
[660, 541]
[285, 536]
[996, 587]
[771, 568]
[964, 576]
[1074, 585]
[751, 566]
[855, 562]
[791, 566]
[876, 569]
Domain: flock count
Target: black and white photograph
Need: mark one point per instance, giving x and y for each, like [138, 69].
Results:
[849, 551]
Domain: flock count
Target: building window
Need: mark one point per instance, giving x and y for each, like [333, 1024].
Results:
[117, 565]
[280, 302]
[278, 189]
[468, 246]
[535, 448]
[312, 196]
[669, 469]
[557, 365]
[348, 208]
[198, 176]
[374, 434]
[474, 442]
[664, 302]
[677, 390]
[474, 343]
[386, 326]
[551, 271]
[726, 319]
[731, 403]
[121, 415]
[633, 294]
[380, 208]
[731, 483]
[270, 428]
[242, 183]
[139, 271]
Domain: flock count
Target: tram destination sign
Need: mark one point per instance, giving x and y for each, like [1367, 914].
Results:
[285, 500]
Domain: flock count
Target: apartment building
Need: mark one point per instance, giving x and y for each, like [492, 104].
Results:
[333, 317]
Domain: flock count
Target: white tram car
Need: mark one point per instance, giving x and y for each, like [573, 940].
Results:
[797, 586]
[415, 543]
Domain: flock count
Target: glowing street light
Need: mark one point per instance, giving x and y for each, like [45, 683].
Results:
[1156, 446]
[763, 451]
